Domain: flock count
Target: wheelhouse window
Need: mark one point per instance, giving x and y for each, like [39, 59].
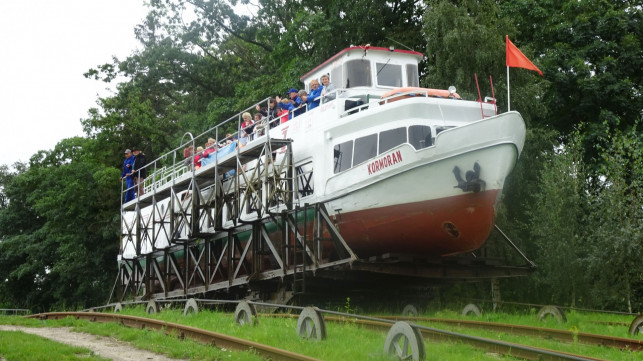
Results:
[358, 73]
[389, 74]
[391, 138]
[343, 155]
[420, 136]
[412, 77]
[365, 148]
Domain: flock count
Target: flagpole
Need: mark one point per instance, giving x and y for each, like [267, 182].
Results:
[508, 96]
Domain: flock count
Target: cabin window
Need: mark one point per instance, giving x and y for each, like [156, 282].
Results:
[305, 183]
[358, 73]
[392, 138]
[389, 74]
[412, 78]
[343, 155]
[420, 136]
[365, 148]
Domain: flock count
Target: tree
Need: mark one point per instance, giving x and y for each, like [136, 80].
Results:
[590, 53]
[58, 232]
[616, 221]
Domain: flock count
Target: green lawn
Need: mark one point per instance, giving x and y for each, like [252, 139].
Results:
[20, 346]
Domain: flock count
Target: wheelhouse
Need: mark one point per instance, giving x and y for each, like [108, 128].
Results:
[382, 70]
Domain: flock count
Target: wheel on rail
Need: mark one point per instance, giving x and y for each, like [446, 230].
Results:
[636, 327]
[410, 311]
[245, 314]
[404, 342]
[152, 307]
[311, 324]
[191, 307]
[118, 308]
[552, 311]
[472, 309]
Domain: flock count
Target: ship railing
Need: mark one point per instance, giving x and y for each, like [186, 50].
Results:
[175, 164]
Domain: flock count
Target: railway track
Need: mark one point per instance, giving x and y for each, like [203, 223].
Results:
[560, 335]
[433, 334]
[403, 339]
[183, 331]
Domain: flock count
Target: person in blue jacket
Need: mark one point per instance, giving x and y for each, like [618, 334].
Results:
[293, 94]
[128, 165]
[314, 94]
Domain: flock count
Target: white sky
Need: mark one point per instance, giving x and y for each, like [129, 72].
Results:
[45, 47]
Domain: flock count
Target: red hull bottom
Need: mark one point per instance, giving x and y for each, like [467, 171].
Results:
[436, 227]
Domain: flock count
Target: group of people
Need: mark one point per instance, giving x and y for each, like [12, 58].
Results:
[134, 173]
[206, 154]
[296, 103]
[284, 109]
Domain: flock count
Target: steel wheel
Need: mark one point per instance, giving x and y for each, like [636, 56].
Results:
[472, 308]
[410, 310]
[152, 307]
[636, 327]
[552, 311]
[311, 324]
[245, 314]
[404, 342]
[191, 307]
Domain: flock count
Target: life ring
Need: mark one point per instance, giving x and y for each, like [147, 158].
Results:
[409, 92]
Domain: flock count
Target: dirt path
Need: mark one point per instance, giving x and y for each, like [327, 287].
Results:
[102, 346]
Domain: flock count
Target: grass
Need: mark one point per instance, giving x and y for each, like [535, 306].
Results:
[344, 341]
[576, 322]
[16, 345]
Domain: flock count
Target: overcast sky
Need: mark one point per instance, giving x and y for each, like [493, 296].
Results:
[45, 48]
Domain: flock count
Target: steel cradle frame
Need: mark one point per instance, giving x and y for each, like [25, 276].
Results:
[228, 224]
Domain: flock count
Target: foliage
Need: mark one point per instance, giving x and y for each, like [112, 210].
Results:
[557, 224]
[58, 230]
[616, 221]
[590, 53]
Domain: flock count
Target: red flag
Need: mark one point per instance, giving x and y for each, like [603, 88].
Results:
[516, 59]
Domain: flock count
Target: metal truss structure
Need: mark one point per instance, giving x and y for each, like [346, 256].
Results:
[225, 225]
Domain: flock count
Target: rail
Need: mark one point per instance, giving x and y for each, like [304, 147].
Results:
[560, 335]
[384, 323]
[434, 334]
[196, 334]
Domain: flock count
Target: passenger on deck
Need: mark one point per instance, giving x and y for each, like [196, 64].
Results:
[313, 96]
[247, 125]
[271, 111]
[187, 153]
[301, 109]
[209, 152]
[261, 123]
[293, 95]
[328, 91]
[286, 107]
[127, 174]
[139, 171]
[197, 157]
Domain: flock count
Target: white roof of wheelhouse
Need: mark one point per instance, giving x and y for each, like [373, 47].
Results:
[334, 66]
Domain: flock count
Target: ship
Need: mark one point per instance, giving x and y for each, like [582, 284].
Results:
[380, 167]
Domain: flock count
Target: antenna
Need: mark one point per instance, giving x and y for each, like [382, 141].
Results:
[395, 41]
